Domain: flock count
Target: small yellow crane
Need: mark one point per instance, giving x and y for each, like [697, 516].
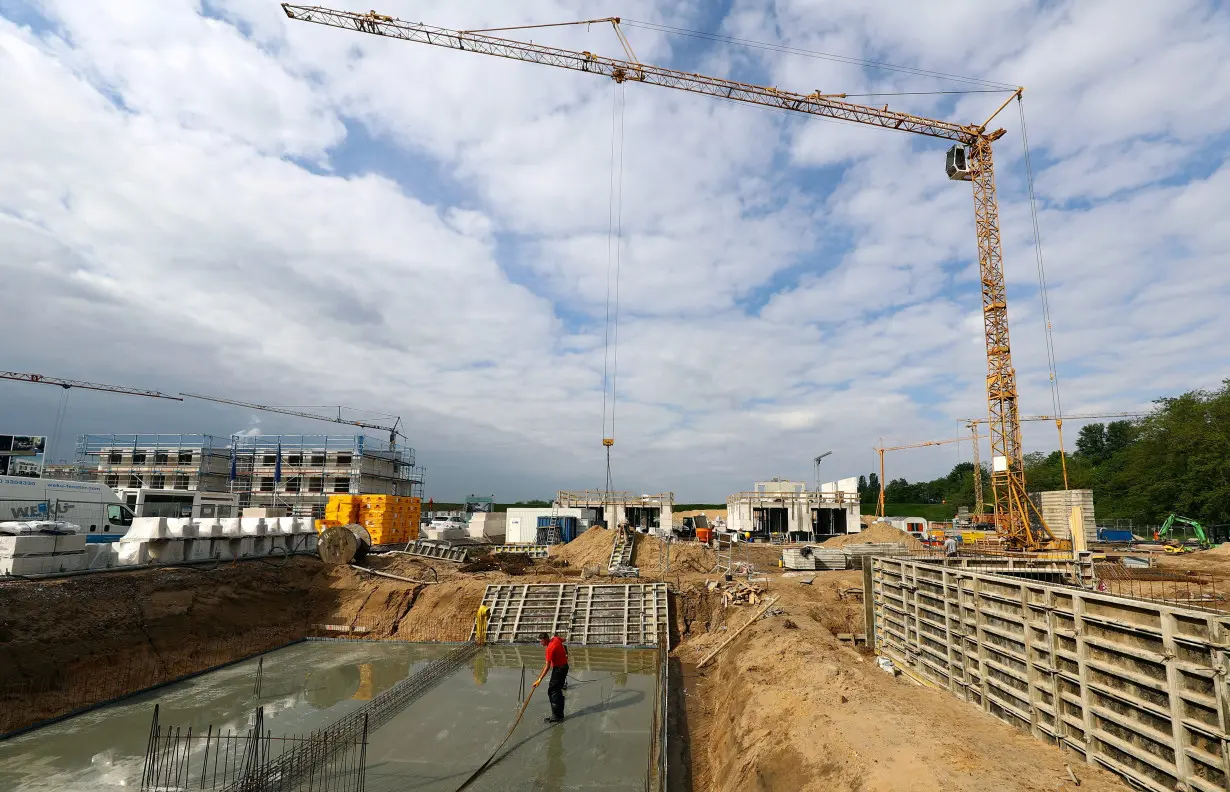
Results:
[882, 449]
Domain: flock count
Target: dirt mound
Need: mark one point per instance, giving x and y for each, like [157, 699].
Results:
[1221, 551]
[590, 548]
[880, 532]
[684, 556]
[789, 707]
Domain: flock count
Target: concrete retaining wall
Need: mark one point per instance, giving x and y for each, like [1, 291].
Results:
[1137, 687]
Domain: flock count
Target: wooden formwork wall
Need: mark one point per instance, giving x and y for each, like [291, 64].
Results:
[1137, 687]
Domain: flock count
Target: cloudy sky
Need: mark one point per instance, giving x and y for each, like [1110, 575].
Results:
[202, 195]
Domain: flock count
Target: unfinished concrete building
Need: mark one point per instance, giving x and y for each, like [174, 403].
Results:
[780, 510]
[646, 512]
[293, 472]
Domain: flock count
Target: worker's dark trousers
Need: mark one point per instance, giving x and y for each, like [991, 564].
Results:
[555, 690]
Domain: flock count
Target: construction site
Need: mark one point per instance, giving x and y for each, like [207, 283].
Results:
[258, 612]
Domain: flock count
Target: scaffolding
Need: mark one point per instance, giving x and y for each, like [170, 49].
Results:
[297, 473]
[154, 461]
[300, 472]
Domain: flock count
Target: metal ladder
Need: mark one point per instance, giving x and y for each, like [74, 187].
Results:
[621, 552]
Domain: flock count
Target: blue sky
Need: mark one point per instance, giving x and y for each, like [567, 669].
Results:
[228, 202]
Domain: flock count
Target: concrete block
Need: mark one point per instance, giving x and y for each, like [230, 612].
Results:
[26, 545]
[261, 544]
[253, 526]
[208, 529]
[66, 562]
[279, 544]
[131, 553]
[240, 547]
[166, 551]
[27, 565]
[181, 528]
[198, 549]
[100, 555]
[70, 543]
[145, 528]
[231, 526]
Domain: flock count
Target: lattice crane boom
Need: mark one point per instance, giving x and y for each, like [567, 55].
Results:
[40, 379]
[972, 423]
[969, 160]
[393, 430]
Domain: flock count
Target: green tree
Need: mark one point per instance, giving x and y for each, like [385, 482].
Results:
[1091, 442]
[1175, 460]
[862, 488]
[873, 486]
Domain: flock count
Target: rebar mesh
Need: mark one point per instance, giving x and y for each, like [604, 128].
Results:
[306, 759]
[177, 759]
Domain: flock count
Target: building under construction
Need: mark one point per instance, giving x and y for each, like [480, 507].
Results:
[295, 472]
[787, 511]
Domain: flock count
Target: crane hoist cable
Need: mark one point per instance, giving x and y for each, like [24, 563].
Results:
[1048, 328]
[610, 354]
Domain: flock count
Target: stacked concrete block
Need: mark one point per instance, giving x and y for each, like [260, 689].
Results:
[101, 555]
[41, 554]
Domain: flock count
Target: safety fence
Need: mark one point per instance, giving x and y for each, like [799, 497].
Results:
[319, 750]
[178, 759]
[1136, 686]
[61, 691]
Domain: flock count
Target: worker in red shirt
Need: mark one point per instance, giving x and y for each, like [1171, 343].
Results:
[557, 664]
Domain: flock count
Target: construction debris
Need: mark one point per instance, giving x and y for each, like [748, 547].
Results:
[739, 593]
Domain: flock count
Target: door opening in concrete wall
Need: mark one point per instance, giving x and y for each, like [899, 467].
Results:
[770, 520]
[643, 517]
[828, 522]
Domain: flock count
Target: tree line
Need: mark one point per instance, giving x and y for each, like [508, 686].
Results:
[1176, 459]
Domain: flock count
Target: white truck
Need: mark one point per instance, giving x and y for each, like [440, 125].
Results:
[146, 502]
[94, 507]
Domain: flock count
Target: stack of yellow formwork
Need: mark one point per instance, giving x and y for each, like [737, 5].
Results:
[343, 509]
[389, 519]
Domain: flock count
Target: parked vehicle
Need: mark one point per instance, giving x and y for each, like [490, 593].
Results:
[94, 507]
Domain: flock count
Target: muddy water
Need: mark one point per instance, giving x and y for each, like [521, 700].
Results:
[433, 745]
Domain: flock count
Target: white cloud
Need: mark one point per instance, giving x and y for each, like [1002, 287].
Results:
[175, 213]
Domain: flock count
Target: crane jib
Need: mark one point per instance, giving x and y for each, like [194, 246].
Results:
[1008, 464]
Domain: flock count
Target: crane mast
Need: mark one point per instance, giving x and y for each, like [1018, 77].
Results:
[970, 159]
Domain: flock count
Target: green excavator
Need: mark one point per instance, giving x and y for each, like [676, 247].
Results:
[1179, 544]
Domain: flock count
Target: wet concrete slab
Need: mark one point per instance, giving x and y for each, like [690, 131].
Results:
[603, 743]
[432, 746]
[303, 687]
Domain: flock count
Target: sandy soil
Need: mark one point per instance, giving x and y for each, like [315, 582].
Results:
[786, 706]
[881, 532]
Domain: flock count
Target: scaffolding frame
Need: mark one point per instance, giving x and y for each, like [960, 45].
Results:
[237, 464]
[146, 456]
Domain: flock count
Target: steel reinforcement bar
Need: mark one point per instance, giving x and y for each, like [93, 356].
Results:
[1135, 686]
[281, 773]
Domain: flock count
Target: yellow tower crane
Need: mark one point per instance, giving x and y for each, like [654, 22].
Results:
[969, 159]
[882, 449]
